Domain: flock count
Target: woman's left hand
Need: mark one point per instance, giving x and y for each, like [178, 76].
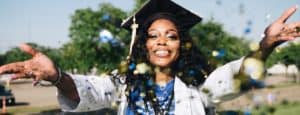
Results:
[280, 31]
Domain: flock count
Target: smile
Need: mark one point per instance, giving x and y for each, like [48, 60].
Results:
[162, 53]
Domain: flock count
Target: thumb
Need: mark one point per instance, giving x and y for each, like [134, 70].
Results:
[28, 49]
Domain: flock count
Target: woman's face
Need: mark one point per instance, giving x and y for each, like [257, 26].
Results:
[163, 43]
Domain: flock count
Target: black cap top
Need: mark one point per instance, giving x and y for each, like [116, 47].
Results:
[186, 18]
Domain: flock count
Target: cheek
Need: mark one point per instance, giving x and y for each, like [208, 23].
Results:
[149, 45]
[175, 46]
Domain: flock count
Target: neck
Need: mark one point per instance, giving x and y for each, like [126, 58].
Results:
[162, 77]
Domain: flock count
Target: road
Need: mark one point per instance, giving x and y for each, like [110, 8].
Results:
[28, 95]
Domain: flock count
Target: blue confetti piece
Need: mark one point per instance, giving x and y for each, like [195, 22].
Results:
[105, 17]
[191, 72]
[131, 66]
[221, 53]
[247, 30]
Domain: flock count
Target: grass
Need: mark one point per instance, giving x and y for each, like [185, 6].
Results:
[284, 108]
[33, 110]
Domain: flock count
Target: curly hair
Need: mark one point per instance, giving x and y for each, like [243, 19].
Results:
[191, 66]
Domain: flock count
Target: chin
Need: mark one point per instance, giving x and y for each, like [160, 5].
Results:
[161, 64]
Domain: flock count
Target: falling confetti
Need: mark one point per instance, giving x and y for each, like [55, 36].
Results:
[247, 30]
[254, 46]
[221, 53]
[215, 53]
[142, 68]
[105, 17]
[254, 68]
[188, 45]
[123, 67]
[132, 66]
[262, 35]
[277, 49]
[218, 54]
[105, 36]
[267, 17]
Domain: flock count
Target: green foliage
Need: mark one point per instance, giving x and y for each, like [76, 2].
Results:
[85, 51]
[287, 55]
[211, 37]
[138, 4]
[283, 108]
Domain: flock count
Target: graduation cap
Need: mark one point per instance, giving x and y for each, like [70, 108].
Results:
[185, 18]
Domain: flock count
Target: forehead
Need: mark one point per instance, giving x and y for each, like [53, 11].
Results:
[162, 24]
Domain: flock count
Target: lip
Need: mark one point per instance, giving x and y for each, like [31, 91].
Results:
[162, 53]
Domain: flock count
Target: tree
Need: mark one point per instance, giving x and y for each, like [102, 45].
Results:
[85, 49]
[218, 46]
[288, 55]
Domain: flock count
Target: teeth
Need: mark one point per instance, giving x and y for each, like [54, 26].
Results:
[162, 53]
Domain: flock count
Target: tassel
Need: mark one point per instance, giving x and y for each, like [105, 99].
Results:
[134, 27]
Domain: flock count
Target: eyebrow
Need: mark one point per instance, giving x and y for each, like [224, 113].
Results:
[175, 30]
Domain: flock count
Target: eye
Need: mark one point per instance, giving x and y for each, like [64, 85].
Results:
[152, 35]
[172, 36]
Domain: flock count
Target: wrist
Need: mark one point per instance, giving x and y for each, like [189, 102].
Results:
[58, 77]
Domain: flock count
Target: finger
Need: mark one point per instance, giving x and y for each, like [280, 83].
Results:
[36, 79]
[286, 38]
[28, 49]
[12, 68]
[18, 76]
[288, 13]
[35, 82]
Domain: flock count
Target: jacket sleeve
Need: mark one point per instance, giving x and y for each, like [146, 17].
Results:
[220, 85]
[95, 93]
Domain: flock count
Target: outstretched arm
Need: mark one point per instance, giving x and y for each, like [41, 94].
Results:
[230, 80]
[277, 33]
[40, 67]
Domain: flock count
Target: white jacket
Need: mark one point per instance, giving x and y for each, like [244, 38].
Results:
[100, 92]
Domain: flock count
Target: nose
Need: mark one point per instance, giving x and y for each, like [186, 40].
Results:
[162, 41]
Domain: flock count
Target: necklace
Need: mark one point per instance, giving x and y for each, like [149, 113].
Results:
[165, 111]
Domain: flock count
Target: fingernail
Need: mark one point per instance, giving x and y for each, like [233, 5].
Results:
[13, 77]
[297, 6]
[34, 83]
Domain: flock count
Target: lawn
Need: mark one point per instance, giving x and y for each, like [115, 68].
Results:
[284, 108]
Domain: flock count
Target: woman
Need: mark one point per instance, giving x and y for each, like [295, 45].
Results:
[164, 73]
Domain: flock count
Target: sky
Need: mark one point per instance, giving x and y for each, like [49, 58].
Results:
[47, 22]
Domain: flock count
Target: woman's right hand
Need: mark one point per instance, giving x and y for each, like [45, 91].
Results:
[39, 67]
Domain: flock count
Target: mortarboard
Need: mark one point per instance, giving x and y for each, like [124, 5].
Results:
[186, 18]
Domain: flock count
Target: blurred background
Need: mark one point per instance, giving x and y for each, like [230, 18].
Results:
[84, 36]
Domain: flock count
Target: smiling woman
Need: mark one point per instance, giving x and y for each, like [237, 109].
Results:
[163, 43]
[164, 72]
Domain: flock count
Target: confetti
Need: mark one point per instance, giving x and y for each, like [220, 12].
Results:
[188, 45]
[105, 17]
[254, 46]
[132, 66]
[277, 50]
[215, 53]
[123, 68]
[247, 30]
[254, 68]
[105, 36]
[262, 35]
[142, 68]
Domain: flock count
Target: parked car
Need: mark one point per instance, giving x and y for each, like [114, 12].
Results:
[7, 93]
